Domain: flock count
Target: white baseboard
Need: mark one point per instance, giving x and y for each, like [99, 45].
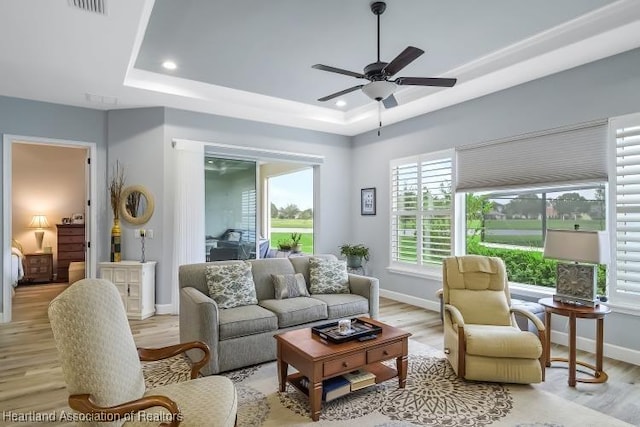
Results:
[610, 350]
[411, 300]
[164, 309]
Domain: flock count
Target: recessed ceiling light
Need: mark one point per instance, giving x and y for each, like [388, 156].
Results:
[210, 162]
[169, 65]
[341, 103]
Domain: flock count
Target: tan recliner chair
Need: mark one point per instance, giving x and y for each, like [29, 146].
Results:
[102, 369]
[481, 338]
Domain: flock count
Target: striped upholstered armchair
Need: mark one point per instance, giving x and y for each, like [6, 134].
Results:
[102, 369]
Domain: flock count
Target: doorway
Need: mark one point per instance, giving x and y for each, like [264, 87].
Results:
[41, 191]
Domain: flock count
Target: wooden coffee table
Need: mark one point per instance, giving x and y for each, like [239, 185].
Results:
[319, 360]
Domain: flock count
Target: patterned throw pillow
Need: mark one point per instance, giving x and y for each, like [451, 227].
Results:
[289, 285]
[231, 285]
[328, 276]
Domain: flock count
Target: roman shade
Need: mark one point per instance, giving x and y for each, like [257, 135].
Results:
[571, 154]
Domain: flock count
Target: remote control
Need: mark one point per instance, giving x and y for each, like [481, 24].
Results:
[367, 337]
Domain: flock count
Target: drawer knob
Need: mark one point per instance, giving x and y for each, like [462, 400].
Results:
[345, 365]
[385, 352]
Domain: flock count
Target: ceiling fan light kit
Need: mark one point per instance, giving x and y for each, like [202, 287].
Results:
[381, 88]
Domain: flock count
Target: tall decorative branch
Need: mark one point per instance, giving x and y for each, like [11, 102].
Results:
[116, 185]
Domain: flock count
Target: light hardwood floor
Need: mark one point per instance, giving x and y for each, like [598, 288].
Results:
[31, 377]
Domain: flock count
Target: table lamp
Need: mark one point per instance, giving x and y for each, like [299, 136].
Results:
[577, 283]
[39, 222]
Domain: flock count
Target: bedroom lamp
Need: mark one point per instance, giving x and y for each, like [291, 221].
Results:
[39, 222]
[576, 283]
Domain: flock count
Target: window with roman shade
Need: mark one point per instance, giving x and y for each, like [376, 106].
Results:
[625, 191]
[421, 209]
[550, 158]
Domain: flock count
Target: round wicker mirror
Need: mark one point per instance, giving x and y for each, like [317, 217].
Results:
[137, 205]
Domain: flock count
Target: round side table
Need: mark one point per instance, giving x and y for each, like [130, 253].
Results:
[573, 312]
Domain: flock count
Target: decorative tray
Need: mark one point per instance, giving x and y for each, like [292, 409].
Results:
[359, 329]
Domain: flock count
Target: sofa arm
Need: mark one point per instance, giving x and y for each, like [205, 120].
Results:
[368, 287]
[199, 322]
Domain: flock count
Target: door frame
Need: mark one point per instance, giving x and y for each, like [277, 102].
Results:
[7, 164]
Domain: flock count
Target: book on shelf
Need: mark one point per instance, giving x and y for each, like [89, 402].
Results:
[360, 379]
[332, 388]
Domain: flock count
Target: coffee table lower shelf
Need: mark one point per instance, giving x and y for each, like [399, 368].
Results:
[382, 372]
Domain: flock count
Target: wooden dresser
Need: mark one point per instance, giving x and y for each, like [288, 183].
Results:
[70, 248]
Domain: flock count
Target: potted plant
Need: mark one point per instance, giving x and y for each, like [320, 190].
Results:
[295, 242]
[284, 245]
[355, 254]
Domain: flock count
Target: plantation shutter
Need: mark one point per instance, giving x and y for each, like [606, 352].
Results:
[572, 154]
[421, 209]
[404, 211]
[436, 210]
[627, 205]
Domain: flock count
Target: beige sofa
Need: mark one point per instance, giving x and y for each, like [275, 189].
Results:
[243, 336]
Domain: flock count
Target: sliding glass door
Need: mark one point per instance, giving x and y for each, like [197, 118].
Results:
[230, 209]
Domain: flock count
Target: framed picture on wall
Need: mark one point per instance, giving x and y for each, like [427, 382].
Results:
[368, 201]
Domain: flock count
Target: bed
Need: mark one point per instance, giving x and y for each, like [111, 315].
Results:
[17, 263]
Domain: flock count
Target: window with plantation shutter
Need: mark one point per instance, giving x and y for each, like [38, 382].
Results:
[421, 209]
[625, 280]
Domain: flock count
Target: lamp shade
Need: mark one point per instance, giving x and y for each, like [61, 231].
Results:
[39, 221]
[579, 246]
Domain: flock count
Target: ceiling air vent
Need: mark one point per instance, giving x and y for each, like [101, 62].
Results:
[96, 6]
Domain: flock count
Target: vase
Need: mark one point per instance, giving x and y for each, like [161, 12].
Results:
[116, 235]
[354, 261]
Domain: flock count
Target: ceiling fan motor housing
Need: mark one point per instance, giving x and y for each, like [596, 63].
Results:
[374, 71]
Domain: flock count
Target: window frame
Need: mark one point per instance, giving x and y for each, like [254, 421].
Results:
[420, 268]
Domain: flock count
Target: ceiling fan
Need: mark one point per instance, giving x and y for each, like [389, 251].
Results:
[380, 86]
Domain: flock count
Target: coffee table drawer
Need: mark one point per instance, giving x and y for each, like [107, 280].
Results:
[348, 363]
[384, 353]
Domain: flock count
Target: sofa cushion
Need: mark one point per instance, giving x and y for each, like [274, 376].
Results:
[263, 269]
[231, 285]
[296, 311]
[344, 305]
[301, 263]
[289, 286]
[328, 277]
[245, 320]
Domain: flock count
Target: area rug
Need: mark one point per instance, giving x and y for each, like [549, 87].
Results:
[433, 396]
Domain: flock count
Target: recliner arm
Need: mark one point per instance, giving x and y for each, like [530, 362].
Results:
[529, 315]
[455, 313]
[83, 404]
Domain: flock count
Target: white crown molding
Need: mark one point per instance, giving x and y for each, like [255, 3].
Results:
[604, 32]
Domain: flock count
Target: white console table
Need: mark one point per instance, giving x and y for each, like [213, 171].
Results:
[136, 283]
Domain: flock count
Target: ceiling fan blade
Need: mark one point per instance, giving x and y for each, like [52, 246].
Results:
[338, 70]
[337, 94]
[425, 81]
[390, 101]
[406, 57]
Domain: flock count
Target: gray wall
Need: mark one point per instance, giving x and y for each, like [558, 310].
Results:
[606, 88]
[44, 120]
[136, 140]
